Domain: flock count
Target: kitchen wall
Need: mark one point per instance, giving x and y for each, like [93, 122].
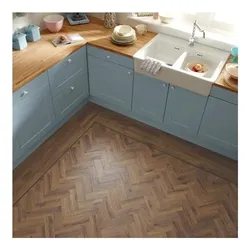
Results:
[37, 19]
[30, 18]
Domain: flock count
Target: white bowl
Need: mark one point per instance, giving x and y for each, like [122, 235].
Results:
[190, 65]
[232, 70]
[166, 19]
[124, 30]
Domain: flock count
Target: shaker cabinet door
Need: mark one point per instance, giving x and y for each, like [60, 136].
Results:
[184, 111]
[219, 127]
[149, 97]
[110, 82]
[33, 117]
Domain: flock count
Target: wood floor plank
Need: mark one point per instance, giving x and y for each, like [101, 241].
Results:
[114, 186]
[32, 168]
[181, 149]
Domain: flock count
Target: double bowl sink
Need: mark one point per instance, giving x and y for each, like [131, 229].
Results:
[175, 53]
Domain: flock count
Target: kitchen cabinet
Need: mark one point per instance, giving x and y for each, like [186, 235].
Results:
[184, 110]
[219, 127]
[110, 82]
[149, 97]
[72, 95]
[33, 114]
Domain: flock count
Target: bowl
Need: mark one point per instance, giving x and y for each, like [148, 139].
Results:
[190, 65]
[53, 23]
[166, 19]
[124, 30]
[232, 70]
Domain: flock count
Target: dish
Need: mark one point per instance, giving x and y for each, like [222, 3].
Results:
[197, 68]
[122, 43]
[165, 19]
[53, 23]
[232, 70]
[124, 30]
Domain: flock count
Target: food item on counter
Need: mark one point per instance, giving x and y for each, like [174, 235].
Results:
[198, 68]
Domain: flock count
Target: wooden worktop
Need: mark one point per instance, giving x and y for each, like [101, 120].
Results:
[39, 56]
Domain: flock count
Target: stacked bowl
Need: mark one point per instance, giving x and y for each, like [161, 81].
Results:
[123, 35]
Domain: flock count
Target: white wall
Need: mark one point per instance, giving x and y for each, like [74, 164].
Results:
[31, 18]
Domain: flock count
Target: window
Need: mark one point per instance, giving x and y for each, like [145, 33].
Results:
[222, 21]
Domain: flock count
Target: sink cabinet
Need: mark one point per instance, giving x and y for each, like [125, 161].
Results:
[149, 97]
[219, 127]
[184, 111]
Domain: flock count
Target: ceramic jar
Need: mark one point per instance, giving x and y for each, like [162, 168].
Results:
[32, 33]
[19, 41]
[109, 20]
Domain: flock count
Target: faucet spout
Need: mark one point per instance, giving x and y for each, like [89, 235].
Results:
[192, 38]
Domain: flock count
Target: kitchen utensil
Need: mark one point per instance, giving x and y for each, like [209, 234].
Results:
[53, 23]
[141, 29]
[230, 81]
[77, 18]
[32, 33]
[19, 41]
[109, 20]
[232, 70]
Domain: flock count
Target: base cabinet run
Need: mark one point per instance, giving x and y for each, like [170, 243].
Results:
[107, 78]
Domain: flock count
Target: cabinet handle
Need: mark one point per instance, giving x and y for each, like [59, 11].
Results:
[24, 93]
[164, 85]
[69, 60]
[129, 73]
[107, 57]
[72, 88]
[172, 87]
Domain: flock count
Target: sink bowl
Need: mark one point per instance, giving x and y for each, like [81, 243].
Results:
[175, 54]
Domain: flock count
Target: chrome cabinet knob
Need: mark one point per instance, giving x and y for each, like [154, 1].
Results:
[129, 73]
[164, 85]
[69, 60]
[24, 93]
[107, 57]
[72, 88]
[172, 87]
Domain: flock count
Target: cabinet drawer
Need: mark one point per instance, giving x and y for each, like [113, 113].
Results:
[63, 71]
[71, 96]
[30, 88]
[149, 97]
[111, 57]
[224, 94]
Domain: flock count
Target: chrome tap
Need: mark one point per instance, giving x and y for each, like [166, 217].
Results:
[192, 38]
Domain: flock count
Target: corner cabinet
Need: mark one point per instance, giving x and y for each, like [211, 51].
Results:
[184, 110]
[110, 82]
[219, 127]
[33, 114]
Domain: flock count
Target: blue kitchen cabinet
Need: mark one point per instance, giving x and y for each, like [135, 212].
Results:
[110, 82]
[219, 127]
[33, 114]
[149, 97]
[184, 110]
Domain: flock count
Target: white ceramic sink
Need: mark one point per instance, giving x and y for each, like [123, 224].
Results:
[175, 53]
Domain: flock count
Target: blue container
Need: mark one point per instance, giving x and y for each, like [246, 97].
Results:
[19, 41]
[32, 33]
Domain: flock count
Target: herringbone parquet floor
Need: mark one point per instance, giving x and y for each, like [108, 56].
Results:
[109, 185]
